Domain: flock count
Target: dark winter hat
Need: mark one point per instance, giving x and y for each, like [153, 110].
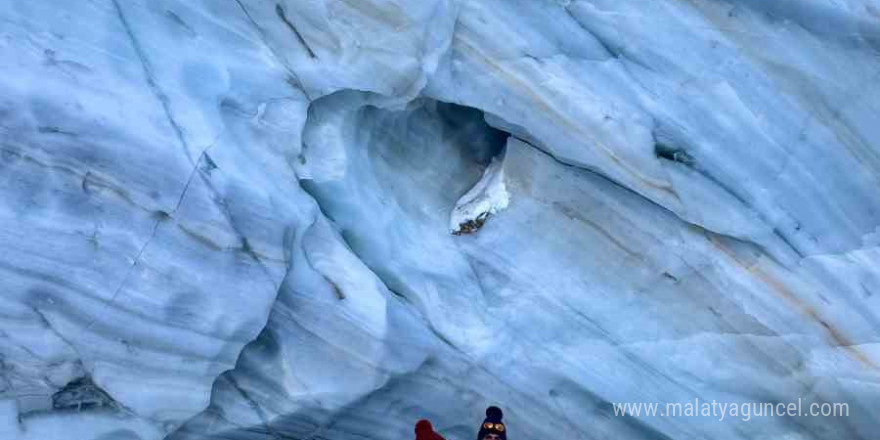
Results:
[493, 424]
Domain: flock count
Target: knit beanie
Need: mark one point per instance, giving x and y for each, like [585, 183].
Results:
[493, 424]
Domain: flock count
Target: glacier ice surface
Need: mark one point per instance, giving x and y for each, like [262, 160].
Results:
[243, 219]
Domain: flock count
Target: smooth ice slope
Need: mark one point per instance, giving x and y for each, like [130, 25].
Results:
[231, 219]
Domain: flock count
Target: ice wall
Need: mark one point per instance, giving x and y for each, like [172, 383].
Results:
[247, 219]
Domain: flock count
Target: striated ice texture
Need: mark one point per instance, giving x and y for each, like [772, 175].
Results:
[326, 219]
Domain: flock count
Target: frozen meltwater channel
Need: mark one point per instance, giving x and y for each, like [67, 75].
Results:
[326, 220]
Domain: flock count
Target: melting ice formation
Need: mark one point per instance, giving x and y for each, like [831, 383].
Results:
[246, 219]
[487, 197]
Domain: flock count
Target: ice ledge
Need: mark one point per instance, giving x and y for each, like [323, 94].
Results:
[484, 199]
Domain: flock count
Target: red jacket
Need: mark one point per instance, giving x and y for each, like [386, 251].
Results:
[424, 431]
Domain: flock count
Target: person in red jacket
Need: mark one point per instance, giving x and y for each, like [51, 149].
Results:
[493, 428]
[424, 431]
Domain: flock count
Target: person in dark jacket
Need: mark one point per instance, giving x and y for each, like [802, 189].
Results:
[424, 431]
[493, 428]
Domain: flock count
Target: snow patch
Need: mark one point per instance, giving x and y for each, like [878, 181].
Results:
[486, 198]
